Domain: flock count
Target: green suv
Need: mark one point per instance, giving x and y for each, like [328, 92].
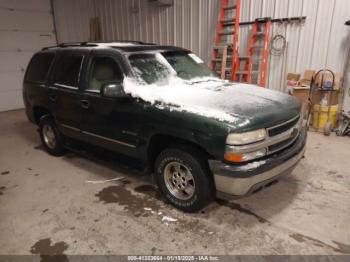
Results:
[201, 137]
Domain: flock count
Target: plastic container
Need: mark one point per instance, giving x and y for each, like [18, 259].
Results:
[320, 116]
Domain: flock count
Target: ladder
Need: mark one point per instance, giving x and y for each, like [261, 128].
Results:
[255, 63]
[225, 51]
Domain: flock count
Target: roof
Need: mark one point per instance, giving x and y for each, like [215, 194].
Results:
[125, 46]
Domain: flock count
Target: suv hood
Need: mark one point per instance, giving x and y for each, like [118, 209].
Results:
[244, 107]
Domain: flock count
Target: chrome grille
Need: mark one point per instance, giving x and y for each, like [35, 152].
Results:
[283, 144]
[276, 130]
[289, 130]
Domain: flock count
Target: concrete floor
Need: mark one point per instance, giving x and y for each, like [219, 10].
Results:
[48, 206]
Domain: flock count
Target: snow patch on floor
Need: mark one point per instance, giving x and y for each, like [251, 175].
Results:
[168, 219]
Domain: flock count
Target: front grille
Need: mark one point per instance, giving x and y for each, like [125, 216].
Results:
[283, 144]
[274, 131]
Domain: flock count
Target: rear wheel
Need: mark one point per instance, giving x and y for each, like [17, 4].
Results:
[184, 179]
[50, 136]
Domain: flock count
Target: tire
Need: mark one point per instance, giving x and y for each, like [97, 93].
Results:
[184, 179]
[50, 136]
[327, 129]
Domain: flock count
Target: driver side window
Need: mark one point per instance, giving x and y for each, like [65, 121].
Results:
[103, 70]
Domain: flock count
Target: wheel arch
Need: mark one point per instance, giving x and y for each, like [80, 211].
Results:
[159, 142]
[39, 112]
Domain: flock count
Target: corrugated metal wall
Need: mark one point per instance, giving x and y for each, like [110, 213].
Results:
[320, 42]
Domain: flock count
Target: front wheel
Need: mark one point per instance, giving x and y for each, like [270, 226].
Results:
[184, 179]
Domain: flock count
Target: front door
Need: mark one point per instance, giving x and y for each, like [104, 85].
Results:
[106, 121]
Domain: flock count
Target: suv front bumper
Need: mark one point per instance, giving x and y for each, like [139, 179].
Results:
[238, 180]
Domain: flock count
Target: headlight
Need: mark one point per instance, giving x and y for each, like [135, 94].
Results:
[246, 138]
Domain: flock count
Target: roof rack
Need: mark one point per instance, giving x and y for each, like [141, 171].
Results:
[71, 44]
[75, 44]
[95, 43]
[121, 41]
[118, 41]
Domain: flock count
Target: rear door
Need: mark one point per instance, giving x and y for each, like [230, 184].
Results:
[64, 90]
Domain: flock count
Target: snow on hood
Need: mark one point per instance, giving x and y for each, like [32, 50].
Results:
[208, 96]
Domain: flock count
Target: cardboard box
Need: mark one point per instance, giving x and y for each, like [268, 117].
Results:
[302, 94]
[308, 74]
[306, 80]
[293, 77]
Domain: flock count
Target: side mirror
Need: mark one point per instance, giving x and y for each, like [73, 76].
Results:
[113, 90]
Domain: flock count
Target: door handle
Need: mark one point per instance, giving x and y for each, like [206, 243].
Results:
[84, 104]
[52, 97]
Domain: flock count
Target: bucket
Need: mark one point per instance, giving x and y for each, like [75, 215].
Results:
[320, 113]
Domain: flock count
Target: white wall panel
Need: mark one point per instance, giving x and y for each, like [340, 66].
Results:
[322, 41]
[15, 61]
[29, 5]
[13, 20]
[25, 27]
[25, 41]
[72, 19]
[10, 84]
[13, 99]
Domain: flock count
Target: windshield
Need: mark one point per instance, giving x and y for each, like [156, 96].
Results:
[153, 68]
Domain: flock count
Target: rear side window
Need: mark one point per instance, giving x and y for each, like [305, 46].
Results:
[68, 70]
[39, 67]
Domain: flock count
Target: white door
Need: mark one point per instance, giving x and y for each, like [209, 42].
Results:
[25, 27]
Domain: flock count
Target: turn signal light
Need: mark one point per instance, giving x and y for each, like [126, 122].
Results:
[242, 157]
[233, 157]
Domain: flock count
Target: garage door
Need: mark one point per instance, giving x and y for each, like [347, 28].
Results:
[25, 27]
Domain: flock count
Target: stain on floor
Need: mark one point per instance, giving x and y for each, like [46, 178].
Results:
[332, 172]
[3, 173]
[50, 252]
[239, 208]
[149, 190]
[190, 226]
[342, 248]
[2, 189]
[131, 203]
